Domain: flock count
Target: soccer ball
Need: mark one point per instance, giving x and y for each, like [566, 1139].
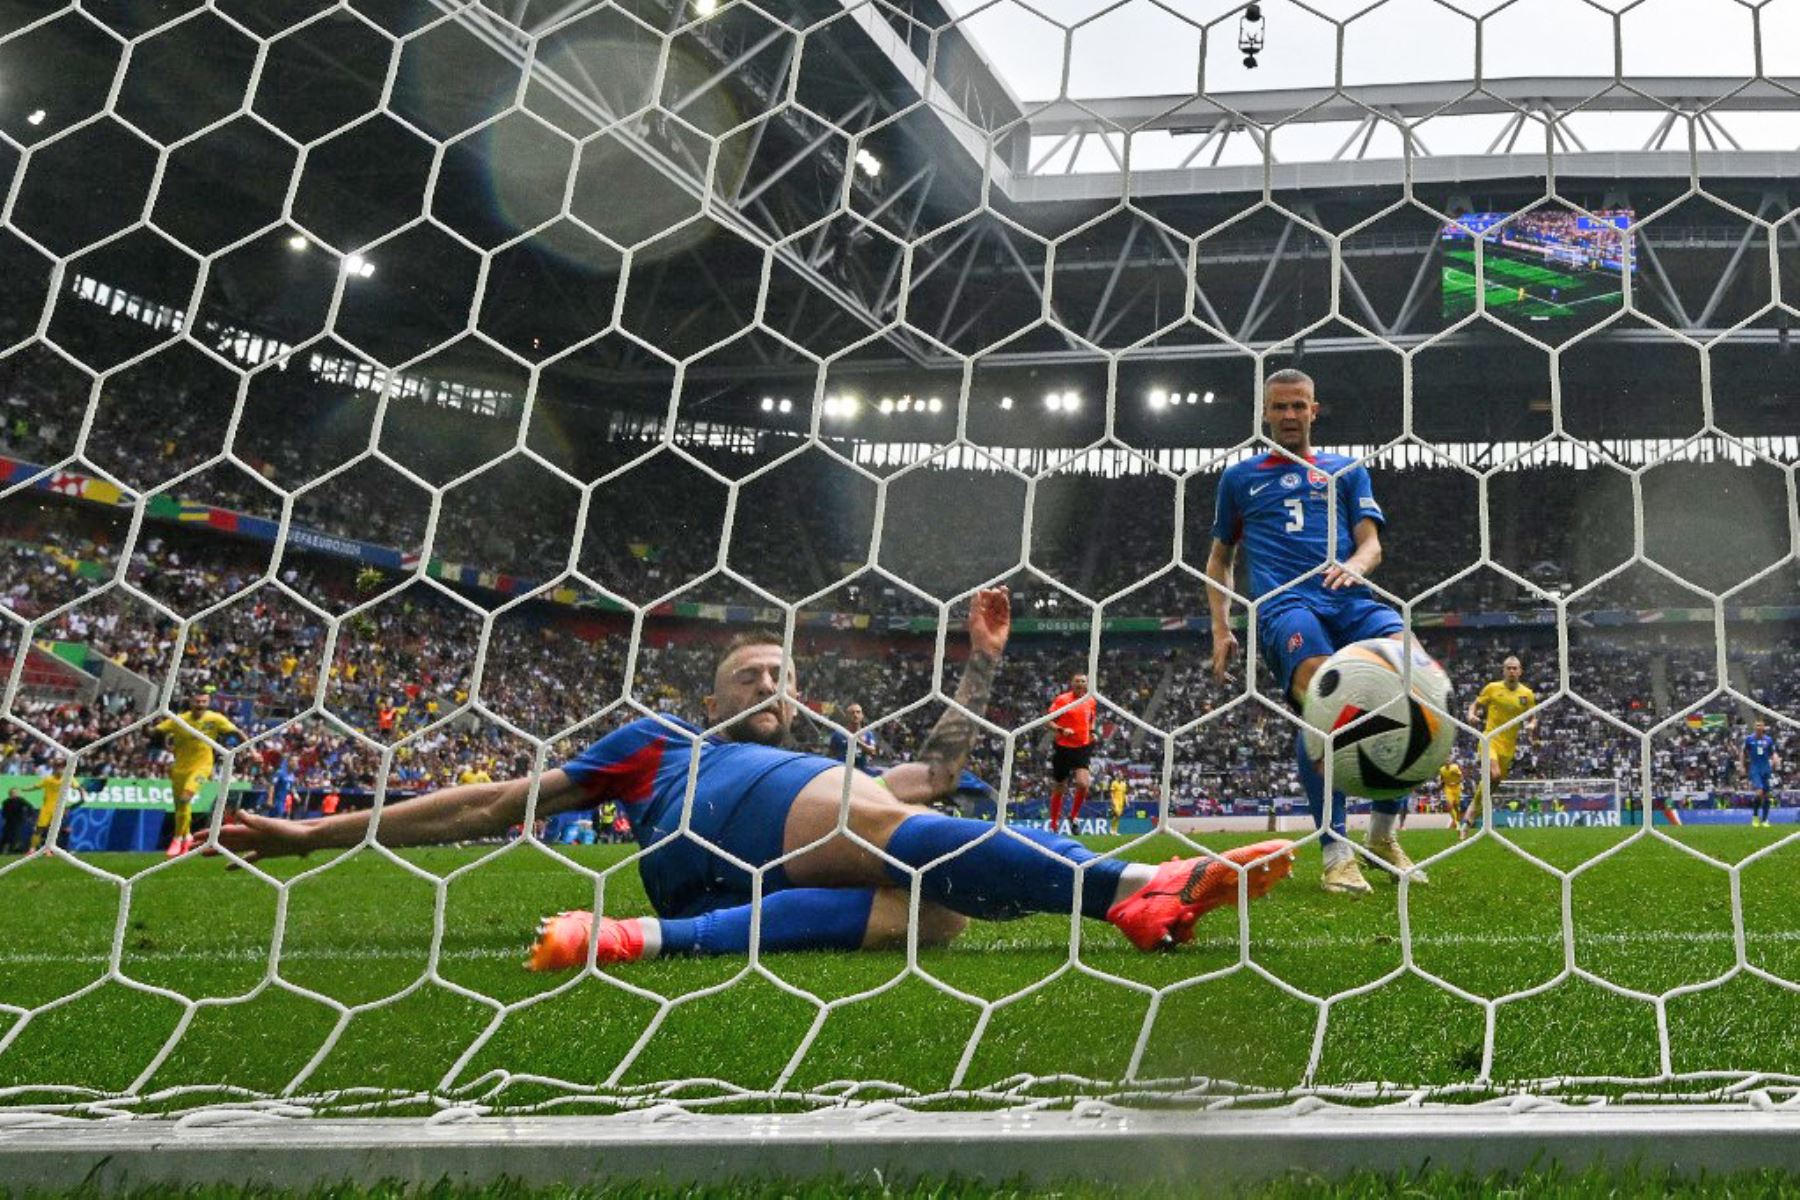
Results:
[1403, 736]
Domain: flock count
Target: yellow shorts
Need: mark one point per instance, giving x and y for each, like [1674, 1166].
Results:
[185, 782]
[1453, 799]
[1503, 757]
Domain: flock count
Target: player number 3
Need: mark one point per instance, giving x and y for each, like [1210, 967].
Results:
[1296, 514]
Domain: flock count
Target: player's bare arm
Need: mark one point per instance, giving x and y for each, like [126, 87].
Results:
[1220, 563]
[450, 814]
[1362, 561]
[946, 749]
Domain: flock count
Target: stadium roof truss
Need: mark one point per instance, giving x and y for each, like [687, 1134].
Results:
[922, 92]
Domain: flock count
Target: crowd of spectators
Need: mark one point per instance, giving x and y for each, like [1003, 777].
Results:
[799, 527]
[408, 662]
[405, 662]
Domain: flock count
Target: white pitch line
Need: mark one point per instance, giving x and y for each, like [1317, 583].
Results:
[1627, 937]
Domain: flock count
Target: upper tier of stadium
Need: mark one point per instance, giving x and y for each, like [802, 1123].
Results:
[980, 148]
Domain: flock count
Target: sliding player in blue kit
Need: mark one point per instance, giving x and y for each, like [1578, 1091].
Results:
[757, 800]
[1280, 511]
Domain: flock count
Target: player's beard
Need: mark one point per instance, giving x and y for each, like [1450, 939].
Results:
[745, 729]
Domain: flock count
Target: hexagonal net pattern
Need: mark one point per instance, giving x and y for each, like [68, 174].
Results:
[445, 387]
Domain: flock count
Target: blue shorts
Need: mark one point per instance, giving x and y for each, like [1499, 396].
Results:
[1760, 781]
[686, 879]
[1303, 623]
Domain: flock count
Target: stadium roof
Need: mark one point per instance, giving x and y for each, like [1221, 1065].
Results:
[892, 173]
[1100, 92]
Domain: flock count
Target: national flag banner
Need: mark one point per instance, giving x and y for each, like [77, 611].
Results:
[66, 483]
[1694, 720]
[102, 492]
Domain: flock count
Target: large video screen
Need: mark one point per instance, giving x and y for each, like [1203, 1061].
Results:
[1544, 265]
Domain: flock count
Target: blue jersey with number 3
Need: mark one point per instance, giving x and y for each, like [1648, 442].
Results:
[1279, 511]
[1759, 753]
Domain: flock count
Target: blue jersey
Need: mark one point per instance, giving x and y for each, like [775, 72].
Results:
[839, 749]
[643, 768]
[1759, 753]
[1279, 512]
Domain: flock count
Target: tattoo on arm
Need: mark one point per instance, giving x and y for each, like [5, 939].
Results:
[946, 748]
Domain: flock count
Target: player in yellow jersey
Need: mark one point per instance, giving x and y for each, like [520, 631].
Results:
[474, 773]
[193, 760]
[1450, 779]
[1117, 792]
[51, 785]
[1505, 701]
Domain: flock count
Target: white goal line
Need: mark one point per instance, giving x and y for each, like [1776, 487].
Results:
[887, 1144]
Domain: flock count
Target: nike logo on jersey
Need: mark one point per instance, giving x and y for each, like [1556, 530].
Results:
[1259, 487]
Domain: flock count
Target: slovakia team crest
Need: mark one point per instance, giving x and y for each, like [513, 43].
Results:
[1294, 641]
[1316, 477]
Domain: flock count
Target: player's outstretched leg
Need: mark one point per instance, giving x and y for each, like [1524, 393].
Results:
[1163, 911]
[796, 919]
[1341, 874]
[995, 877]
[969, 868]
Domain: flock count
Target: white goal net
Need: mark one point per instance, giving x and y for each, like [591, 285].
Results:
[441, 387]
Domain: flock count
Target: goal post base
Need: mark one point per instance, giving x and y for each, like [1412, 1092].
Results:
[1096, 1142]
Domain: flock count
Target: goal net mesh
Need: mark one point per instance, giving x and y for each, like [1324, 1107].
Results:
[440, 385]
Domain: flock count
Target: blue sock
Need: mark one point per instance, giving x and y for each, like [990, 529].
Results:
[795, 919]
[1314, 783]
[1002, 877]
[1392, 808]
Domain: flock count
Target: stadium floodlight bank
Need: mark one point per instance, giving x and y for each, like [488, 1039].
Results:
[754, 226]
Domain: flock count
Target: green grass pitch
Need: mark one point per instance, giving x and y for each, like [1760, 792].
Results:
[1650, 918]
[1524, 287]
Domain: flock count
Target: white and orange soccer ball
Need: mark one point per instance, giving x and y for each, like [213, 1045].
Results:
[1387, 733]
